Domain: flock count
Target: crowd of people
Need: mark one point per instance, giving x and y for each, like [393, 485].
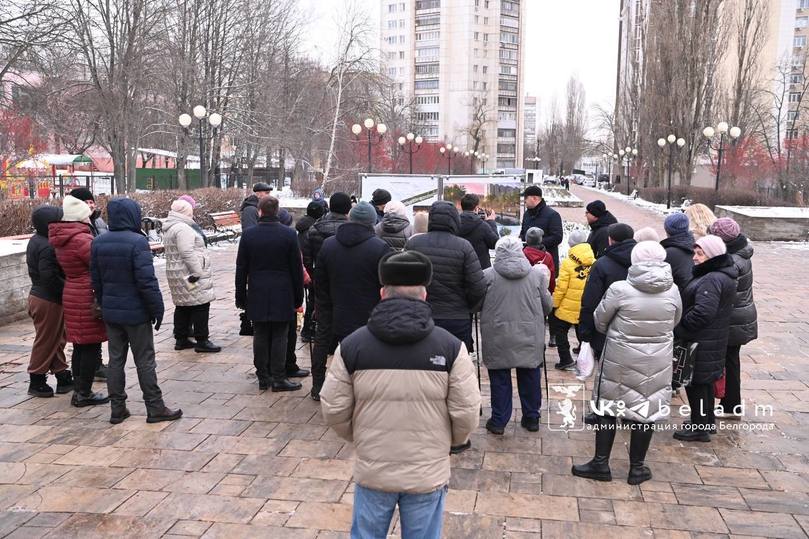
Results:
[395, 304]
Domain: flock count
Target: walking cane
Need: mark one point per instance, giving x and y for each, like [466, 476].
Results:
[480, 354]
[544, 367]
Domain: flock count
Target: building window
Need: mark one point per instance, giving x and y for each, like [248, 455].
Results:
[506, 133]
[485, 38]
[801, 22]
[792, 115]
[486, 21]
[391, 8]
[508, 6]
[477, 36]
[427, 100]
[803, 4]
[508, 85]
[506, 148]
[507, 101]
[427, 53]
[794, 97]
[428, 4]
[796, 78]
[428, 36]
[474, 85]
[401, 55]
[391, 71]
[475, 68]
[508, 54]
[401, 40]
[485, 69]
[799, 41]
[485, 85]
[510, 38]
[427, 116]
[427, 69]
[401, 23]
[401, 6]
[391, 24]
[476, 20]
[428, 20]
[429, 84]
[486, 4]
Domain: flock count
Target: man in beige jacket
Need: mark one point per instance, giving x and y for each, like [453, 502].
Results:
[403, 391]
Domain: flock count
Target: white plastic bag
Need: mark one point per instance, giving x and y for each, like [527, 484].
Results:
[584, 361]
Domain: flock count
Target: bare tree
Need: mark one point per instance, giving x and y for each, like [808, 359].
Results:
[26, 28]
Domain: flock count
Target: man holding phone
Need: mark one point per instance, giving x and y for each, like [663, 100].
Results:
[478, 228]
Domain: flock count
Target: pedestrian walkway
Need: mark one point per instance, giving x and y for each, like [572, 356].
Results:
[244, 463]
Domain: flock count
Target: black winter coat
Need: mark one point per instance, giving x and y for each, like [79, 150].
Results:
[549, 220]
[599, 237]
[269, 274]
[122, 269]
[744, 319]
[680, 256]
[482, 234]
[347, 277]
[302, 226]
[249, 212]
[611, 267]
[458, 284]
[47, 277]
[707, 307]
[324, 228]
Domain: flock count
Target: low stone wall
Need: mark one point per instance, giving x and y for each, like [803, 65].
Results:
[769, 223]
[14, 287]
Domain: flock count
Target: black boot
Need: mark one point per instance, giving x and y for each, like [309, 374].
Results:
[183, 344]
[639, 441]
[552, 341]
[599, 467]
[38, 386]
[119, 417]
[246, 328]
[64, 382]
[166, 414]
[284, 385]
[83, 394]
[206, 346]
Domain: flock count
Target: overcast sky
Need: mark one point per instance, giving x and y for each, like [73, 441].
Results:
[563, 38]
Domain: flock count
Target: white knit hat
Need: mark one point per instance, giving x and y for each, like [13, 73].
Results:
[648, 251]
[712, 245]
[396, 208]
[75, 210]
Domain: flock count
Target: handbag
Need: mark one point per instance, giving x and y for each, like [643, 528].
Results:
[720, 385]
[682, 365]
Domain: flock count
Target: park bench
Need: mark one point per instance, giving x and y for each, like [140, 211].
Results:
[153, 228]
[226, 226]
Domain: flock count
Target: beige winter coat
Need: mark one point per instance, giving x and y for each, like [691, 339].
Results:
[186, 255]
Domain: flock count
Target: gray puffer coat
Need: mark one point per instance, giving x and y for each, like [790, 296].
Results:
[638, 316]
[744, 318]
[395, 230]
[512, 321]
[186, 255]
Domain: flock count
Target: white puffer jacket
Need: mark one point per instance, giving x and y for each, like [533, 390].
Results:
[186, 255]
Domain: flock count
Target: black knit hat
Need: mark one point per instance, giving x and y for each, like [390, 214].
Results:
[407, 268]
[315, 210]
[82, 193]
[596, 208]
[340, 203]
[261, 186]
[380, 197]
[620, 232]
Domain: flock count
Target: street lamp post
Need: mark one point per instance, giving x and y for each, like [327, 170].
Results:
[409, 140]
[721, 128]
[670, 140]
[369, 123]
[627, 155]
[446, 151]
[215, 120]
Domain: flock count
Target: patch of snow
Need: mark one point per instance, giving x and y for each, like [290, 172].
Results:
[779, 212]
[639, 202]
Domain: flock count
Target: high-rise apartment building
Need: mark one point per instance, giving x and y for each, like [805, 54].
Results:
[460, 61]
[529, 126]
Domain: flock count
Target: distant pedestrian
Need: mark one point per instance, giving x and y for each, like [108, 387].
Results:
[71, 239]
[707, 310]
[599, 219]
[128, 293]
[536, 253]
[45, 309]
[190, 278]
[744, 318]
[700, 217]
[403, 391]
[379, 199]
[479, 228]
[647, 234]
[567, 295]
[249, 209]
[314, 211]
[269, 286]
[679, 246]
[347, 276]
[539, 214]
[512, 325]
[394, 228]
[638, 316]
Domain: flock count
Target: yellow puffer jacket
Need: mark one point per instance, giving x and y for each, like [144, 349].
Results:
[570, 283]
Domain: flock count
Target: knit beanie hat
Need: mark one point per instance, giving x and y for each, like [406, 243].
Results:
[396, 208]
[618, 232]
[82, 193]
[507, 244]
[75, 209]
[284, 217]
[340, 203]
[534, 236]
[646, 234]
[316, 209]
[596, 208]
[576, 237]
[189, 199]
[712, 245]
[726, 228]
[183, 207]
[676, 223]
[648, 251]
[380, 197]
[363, 213]
[407, 268]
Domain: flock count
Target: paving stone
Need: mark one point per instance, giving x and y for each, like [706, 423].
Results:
[324, 469]
[141, 503]
[11, 520]
[776, 501]
[597, 517]
[224, 427]
[163, 459]
[738, 477]
[472, 526]
[483, 480]
[48, 520]
[668, 516]
[460, 501]
[533, 525]
[64, 499]
[275, 513]
[194, 528]
[566, 485]
[763, 524]
[707, 495]
[321, 516]
[311, 448]
[297, 488]
[207, 507]
[521, 462]
[245, 531]
[91, 456]
[161, 440]
[554, 529]
[89, 526]
[242, 446]
[528, 506]
[93, 476]
[787, 481]
[265, 465]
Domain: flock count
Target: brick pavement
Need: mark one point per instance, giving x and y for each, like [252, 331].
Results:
[242, 463]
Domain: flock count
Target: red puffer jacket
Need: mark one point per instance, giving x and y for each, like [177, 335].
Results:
[71, 241]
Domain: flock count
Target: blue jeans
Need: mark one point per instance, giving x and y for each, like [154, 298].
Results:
[421, 515]
[528, 386]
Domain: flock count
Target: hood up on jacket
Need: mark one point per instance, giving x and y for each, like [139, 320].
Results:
[621, 252]
[304, 223]
[605, 220]
[509, 260]
[61, 232]
[43, 216]
[401, 320]
[444, 218]
[351, 234]
[174, 218]
[651, 277]
[252, 200]
[393, 223]
[124, 214]
[582, 254]
[684, 241]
